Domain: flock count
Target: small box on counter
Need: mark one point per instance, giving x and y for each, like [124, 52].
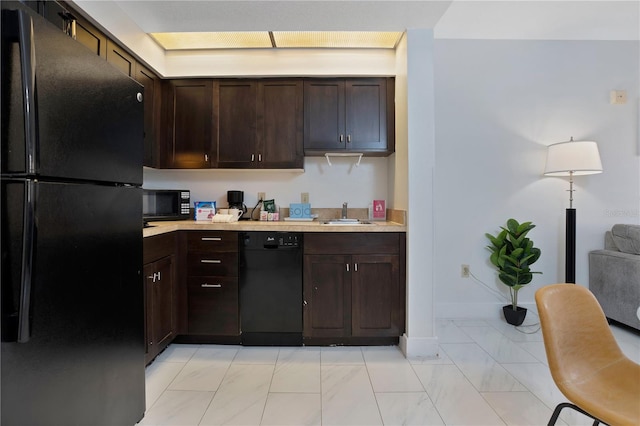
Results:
[300, 210]
[269, 216]
[204, 210]
[378, 210]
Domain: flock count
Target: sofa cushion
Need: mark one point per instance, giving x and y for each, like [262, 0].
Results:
[626, 238]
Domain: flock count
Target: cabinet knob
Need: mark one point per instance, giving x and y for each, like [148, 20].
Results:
[210, 261]
[206, 157]
[347, 265]
[348, 138]
[205, 285]
[211, 239]
[253, 157]
[341, 138]
[259, 157]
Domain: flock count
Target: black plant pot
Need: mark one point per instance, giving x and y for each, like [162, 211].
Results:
[514, 317]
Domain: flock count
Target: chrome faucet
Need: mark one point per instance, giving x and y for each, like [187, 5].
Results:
[344, 210]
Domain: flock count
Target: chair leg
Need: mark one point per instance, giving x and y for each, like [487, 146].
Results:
[559, 407]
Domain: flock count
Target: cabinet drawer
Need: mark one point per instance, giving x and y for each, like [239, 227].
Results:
[213, 306]
[214, 241]
[207, 263]
[352, 243]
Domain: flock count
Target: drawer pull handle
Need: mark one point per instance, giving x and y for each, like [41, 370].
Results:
[211, 239]
[211, 285]
[210, 261]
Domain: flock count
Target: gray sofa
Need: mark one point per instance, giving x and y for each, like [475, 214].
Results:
[614, 274]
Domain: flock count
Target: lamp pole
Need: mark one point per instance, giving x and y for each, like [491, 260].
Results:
[570, 237]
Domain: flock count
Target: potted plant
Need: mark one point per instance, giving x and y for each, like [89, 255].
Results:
[512, 253]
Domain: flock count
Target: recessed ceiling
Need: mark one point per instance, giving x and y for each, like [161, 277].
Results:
[277, 39]
[474, 19]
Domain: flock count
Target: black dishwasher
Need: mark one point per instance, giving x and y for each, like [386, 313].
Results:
[270, 277]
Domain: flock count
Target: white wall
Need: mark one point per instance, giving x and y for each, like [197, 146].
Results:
[328, 187]
[498, 105]
[419, 339]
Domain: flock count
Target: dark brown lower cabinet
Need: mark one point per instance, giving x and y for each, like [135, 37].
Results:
[355, 292]
[160, 293]
[327, 296]
[212, 307]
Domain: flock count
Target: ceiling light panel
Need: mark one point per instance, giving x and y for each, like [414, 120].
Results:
[336, 39]
[216, 40]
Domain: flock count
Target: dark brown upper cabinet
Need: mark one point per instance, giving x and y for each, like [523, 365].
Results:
[237, 121]
[355, 114]
[152, 88]
[119, 58]
[280, 124]
[260, 124]
[89, 36]
[188, 124]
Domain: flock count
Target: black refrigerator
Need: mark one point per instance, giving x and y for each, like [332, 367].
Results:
[72, 347]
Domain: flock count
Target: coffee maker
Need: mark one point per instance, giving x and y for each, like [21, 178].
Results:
[236, 201]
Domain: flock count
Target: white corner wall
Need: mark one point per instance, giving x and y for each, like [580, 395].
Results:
[498, 105]
[418, 87]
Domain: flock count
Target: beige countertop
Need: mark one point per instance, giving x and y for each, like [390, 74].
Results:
[158, 228]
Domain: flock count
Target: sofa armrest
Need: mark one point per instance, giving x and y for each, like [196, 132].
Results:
[614, 278]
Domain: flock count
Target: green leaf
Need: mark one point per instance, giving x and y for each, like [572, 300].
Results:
[517, 252]
[525, 227]
[512, 225]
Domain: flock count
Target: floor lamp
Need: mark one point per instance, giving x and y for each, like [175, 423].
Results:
[572, 158]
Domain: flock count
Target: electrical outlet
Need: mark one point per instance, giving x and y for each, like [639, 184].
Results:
[464, 271]
[304, 197]
[261, 196]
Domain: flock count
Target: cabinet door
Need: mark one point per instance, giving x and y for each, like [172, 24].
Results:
[189, 108]
[280, 124]
[213, 307]
[149, 349]
[327, 296]
[376, 295]
[237, 124]
[151, 110]
[366, 114]
[119, 58]
[159, 301]
[324, 124]
[89, 36]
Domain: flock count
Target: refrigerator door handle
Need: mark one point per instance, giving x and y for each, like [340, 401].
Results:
[19, 26]
[26, 274]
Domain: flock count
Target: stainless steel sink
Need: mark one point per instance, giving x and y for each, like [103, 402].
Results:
[350, 222]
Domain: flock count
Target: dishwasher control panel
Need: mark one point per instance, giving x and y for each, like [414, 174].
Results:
[281, 239]
[271, 240]
[288, 240]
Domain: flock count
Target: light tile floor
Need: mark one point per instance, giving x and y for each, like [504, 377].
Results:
[487, 373]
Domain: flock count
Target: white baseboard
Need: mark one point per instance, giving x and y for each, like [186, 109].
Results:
[475, 310]
[419, 347]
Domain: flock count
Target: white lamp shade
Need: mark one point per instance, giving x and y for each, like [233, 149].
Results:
[579, 157]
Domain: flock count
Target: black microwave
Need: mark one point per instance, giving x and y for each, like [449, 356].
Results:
[165, 204]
